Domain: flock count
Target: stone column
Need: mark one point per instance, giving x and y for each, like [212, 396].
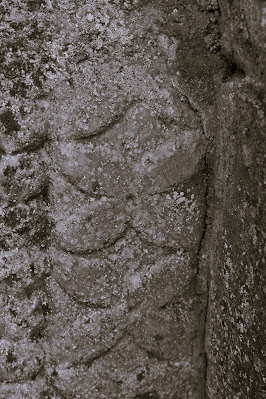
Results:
[131, 145]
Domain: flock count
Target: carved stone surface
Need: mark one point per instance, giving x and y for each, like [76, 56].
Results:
[125, 152]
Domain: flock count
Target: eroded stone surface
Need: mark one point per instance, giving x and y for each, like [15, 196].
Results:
[113, 224]
[127, 200]
[237, 294]
[235, 329]
[105, 157]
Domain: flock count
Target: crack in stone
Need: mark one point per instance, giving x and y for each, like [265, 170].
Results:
[104, 352]
[205, 230]
[100, 354]
[116, 119]
[198, 271]
[99, 249]
[201, 258]
[69, 180]
[86, 303]
[129, 227]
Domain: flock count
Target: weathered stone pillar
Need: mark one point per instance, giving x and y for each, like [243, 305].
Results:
[236, 325]
[131, 199]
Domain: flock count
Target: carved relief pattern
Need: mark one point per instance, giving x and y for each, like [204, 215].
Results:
[104, 207]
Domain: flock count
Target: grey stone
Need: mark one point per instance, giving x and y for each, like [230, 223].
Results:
[132, 220]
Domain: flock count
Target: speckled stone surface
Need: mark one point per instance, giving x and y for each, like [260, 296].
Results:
[236, 326]
[120, 177]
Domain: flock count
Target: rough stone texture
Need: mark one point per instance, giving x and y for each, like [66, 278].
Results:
[131, 209]
[236, 327]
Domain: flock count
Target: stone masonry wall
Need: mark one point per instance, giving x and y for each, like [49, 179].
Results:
[131, 145]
